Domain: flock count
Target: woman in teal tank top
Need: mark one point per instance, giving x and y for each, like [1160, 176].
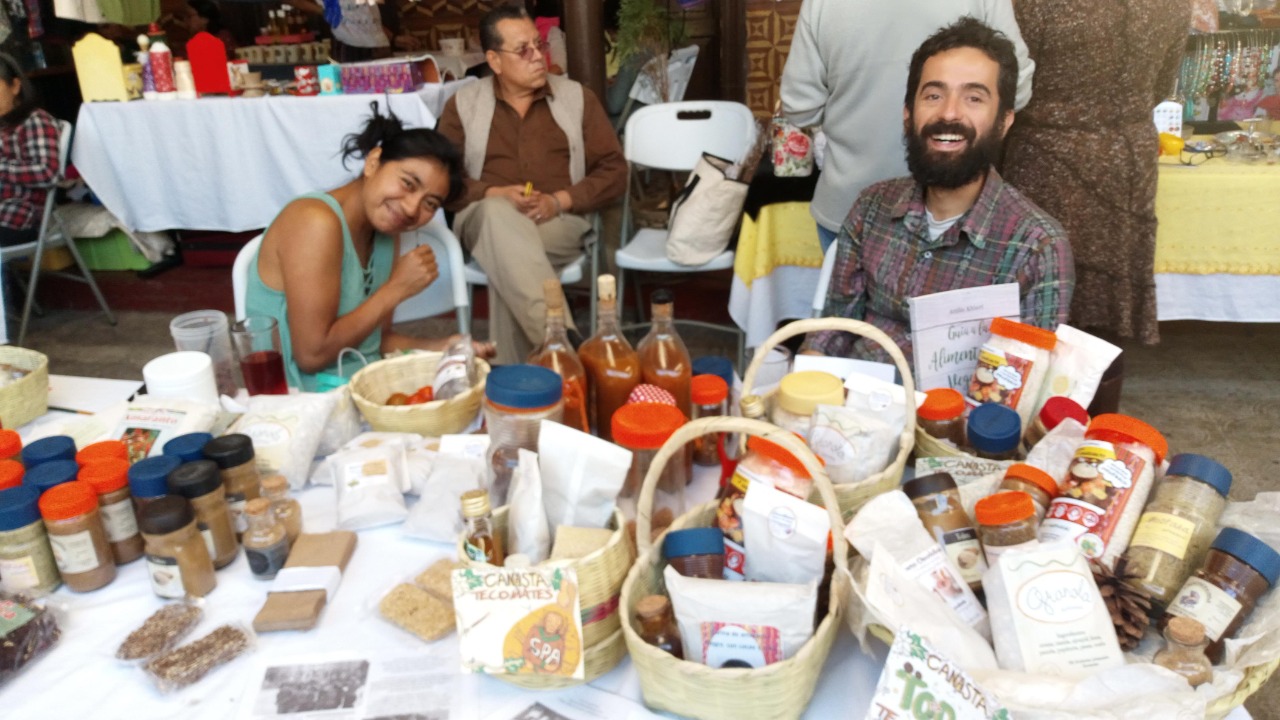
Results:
[329, 268]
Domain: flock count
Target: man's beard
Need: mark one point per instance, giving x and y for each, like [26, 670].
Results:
[950, 170]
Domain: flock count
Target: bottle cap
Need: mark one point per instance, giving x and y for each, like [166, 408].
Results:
[693, 541]
[994, 429]
[1250, 551]
[475, 503]
[1029, 334]
[661, 296]
[1004, 508]
[1115, 428]
[149, 478]
[10, 443]
[752, 406]
[106, 449]
[106, 475]
[524, 387]
[57, 447]
[195, 479]
[230, 450]
[1059, 408]
[708, 390]
[19, 507]
[68, 500]
[167, 514]
[275, 483]
[941, 404]
[11, 472]
[42, 477]
[645, 425]
[646, 393]
[1185, 630]
[553, 294]
[1206, 470]
[189, 447]
[928, 485]
[800, 393]
[607, 288]
[778, 454]
[257, 506]
[1035, 476]
[714, 365]
[652, 607]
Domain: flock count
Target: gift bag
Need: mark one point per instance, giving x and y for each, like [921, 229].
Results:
[705, 213]
[792, 147]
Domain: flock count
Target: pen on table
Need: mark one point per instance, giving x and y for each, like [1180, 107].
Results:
[528, 188]
[70, 410]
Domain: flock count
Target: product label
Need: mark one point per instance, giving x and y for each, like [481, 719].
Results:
[18, 574]
[145, 428]
[13, 616]
[782, 523]
[918, 683]
[1094, 494]
[476, 553]
[1058, 614]
[207, 534]
[166, 576]
[452, 368]
[740, 646]
[355, 474]
[1210, 605]
[932, 571]
[999, 377]
[1164, 532]
[735, 560]
[270, 436]
[965, 552]
[235, 506]
[119, 520]
[74, 553]
[267, 560]
[993, 552]
[830, 444]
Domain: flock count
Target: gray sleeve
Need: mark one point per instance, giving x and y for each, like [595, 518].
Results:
[999, 15]
[804, 90]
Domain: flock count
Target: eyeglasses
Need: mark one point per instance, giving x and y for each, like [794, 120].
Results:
[527, 52]
[1197, 157]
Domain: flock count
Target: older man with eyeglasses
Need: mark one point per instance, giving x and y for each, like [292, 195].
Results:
[539, 154]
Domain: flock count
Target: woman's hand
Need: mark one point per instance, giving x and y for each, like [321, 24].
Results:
[413, 272]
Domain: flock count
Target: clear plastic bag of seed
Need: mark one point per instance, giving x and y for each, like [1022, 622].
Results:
[161, 631]
[188, 664]
[28, 629]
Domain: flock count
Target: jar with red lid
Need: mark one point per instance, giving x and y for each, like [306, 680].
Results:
[110, 479]
[11, 473]
[1036, 483]
[10, 445]
[710, 399]
[1055, 410]
[1006, 520]
[79, 541]
[941, 415]
[104, 450]
[642, 428]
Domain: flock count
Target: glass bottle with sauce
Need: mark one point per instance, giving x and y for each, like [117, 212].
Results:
[1238, 569]
[26, 558]
[517, 398]
[937, 501]
[556, 353]
[234, 456]
[80, 547]
[200, 483]
[1177, 526]
[1029, 479]
[1183, 652]
[104, 450]
[941, 416]
[664, 359]
[178, 561]
[1055, 410]
[266, 545]
[657, 625]
[1005, 520]
[994, 432]
[643, 428]
[613, 368]
[482, 545]
[110, 479]
[287, 510]
[710, 395]
[148, 479]
[799, 394]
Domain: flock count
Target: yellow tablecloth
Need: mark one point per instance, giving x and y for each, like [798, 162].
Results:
[781, 234]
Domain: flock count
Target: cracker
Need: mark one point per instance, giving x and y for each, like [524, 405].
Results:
[418, 612]
[438, 580]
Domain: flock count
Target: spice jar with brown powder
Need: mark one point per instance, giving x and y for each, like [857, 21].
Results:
[265, 543]
[937, 501]
[178, 561]
[239, 472]
[199, 482]
[110, 479]
[287, 510]
[80, 546]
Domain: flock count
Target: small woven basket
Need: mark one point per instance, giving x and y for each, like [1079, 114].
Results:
[373, 384]
[689, 689]
[851, 495]
[26, 398]
[600, 576]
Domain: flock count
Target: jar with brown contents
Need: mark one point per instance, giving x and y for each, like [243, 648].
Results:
[239, 472]
[265, 544]
[937, 501]
[199, 482]
[287, 510]
[110, 479]
[149, 479]
[613, 367]
[941, 416]
[79, 541]
[178, 561]
[482, 545]
[1183, 652]
[1005, 520]
[1029, 479]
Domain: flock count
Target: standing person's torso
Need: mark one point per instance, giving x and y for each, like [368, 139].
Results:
[361, 26]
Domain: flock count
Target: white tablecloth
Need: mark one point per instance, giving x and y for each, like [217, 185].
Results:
[226, 163]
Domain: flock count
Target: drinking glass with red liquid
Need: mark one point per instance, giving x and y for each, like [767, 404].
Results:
[257, 343]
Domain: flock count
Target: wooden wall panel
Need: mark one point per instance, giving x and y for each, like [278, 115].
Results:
[770, 26]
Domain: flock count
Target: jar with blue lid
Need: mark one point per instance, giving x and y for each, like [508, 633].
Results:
[189, 447]
[148, 479]
[50, 474]
[517, 398]
[56, 447]
[994, 432]
[26, 559]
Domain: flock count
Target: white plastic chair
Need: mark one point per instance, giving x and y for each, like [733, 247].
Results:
[240, 273]
[52, 235]
[824, 279]
[673, 136]
[679, 72]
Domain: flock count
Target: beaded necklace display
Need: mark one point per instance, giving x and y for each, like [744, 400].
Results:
[1225, 63]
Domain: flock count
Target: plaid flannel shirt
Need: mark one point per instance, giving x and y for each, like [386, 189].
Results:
[885, 257]
[28, 169]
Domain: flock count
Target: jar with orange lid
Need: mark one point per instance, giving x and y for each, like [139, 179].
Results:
[110, 479]
[517, 398]
[106, 449]
[10, 445]
[941, 415]
[642, 428]
[11, 473]
[766, 462]
[1055, 410]
[1005, 520]
[1036, 483]
[799, 394]
[79, 541]
[710, 399]
[1011, 366]
[1107, 483]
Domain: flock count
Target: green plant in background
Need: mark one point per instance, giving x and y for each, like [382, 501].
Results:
[648, 29]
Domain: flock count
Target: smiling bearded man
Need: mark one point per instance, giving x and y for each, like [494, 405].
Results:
[954, 223]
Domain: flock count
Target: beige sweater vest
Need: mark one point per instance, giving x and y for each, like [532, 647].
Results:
[476, 103]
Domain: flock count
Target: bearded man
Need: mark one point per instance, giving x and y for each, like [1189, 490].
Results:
[953, 223]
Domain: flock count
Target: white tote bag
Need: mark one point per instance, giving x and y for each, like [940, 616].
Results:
[705, 213]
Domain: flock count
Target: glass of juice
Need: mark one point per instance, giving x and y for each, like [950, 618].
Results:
[257, 343]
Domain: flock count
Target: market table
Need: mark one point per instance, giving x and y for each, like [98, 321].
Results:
[222, 163]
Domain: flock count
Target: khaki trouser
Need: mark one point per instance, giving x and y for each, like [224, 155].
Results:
[518, 255]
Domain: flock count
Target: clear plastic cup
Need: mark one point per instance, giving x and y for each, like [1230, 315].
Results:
[206, 331]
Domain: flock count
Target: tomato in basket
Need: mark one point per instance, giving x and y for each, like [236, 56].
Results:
[397, 399]
[424, 395]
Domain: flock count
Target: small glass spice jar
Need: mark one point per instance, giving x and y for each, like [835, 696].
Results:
[941, 416]
[26, 558]
[1005, 520]
[994, 432]
[657, 625]
[189, 447]
[937, 501]
[56, 447]
[178, 561]
[642, 428]
[483, 544]
[266, 546]
[799, 394]
[47, 475]
[1183, 652]
[106, 449]
[1238, 569]
[1055, 410]
[148, 479]
[710, 399]
[1029, 479]
[11, 473]
[10, 445]
[287, 510]
[696, 552]
[110, 479]
[200, 483]
[239, 472]
[79, 541]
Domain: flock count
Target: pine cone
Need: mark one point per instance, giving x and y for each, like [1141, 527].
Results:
[1130, 606]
